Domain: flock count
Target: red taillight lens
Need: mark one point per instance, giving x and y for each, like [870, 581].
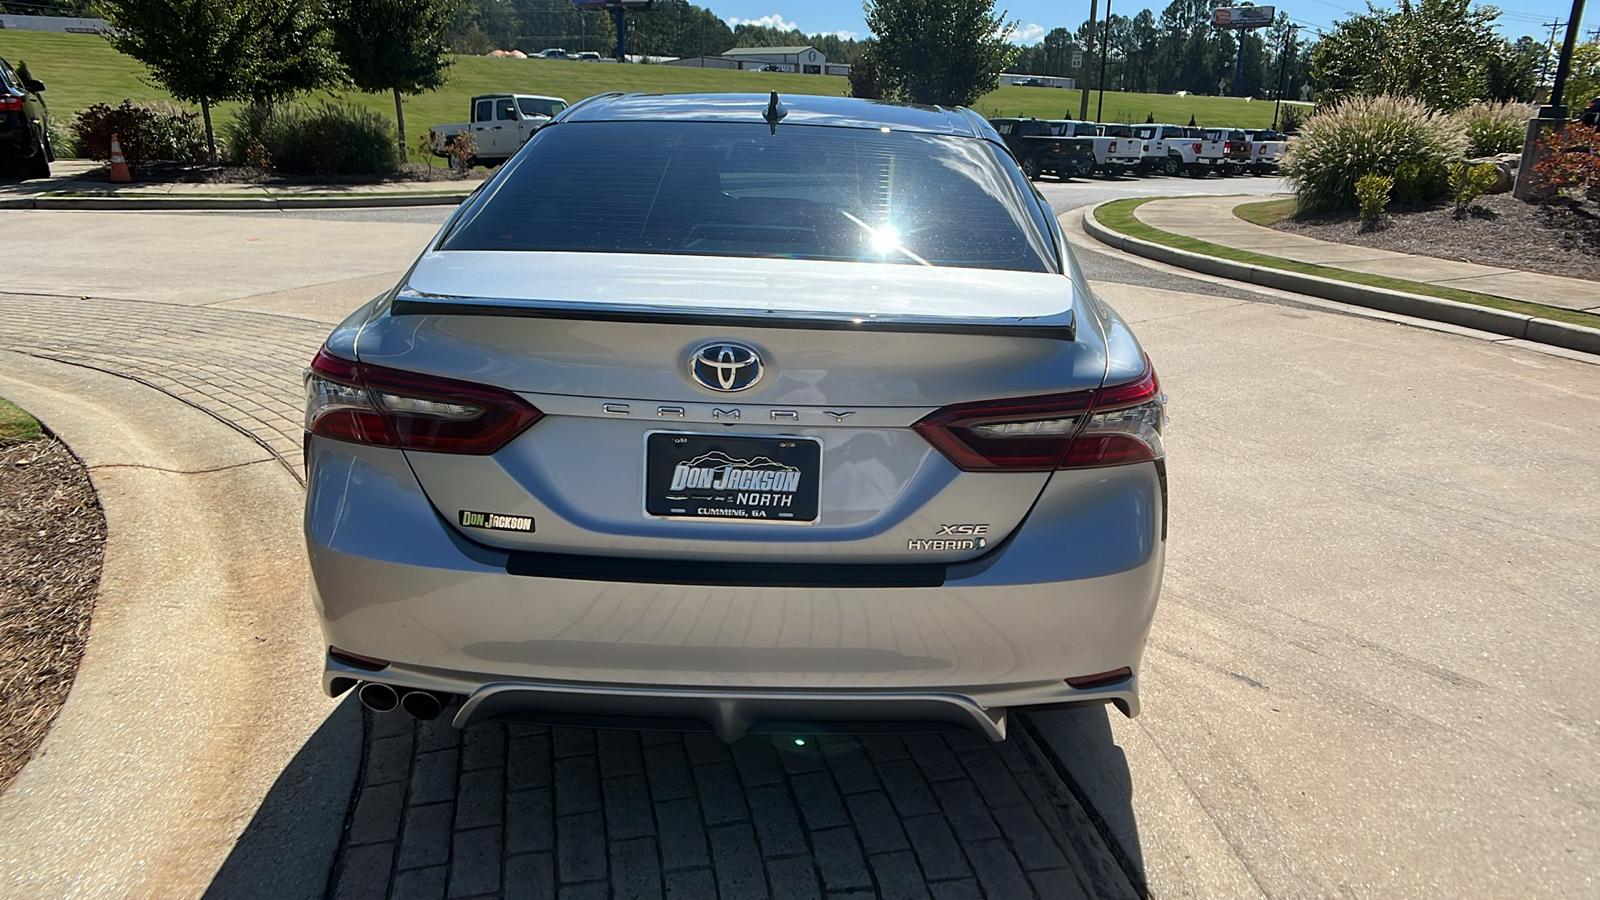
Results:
[1113, 146]
[1106, 427]
[1197, 148]
[370, 404]
[9, 103]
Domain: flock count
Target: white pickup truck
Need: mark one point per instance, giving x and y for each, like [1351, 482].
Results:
[1171, 149]
[501, 124]
[1266, 151]
[1112, 155]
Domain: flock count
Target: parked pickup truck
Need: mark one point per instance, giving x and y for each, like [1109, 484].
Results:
[1235, 149]
[501, 124]
[1266, 151]
[1172, 149]
[1039, 150]
[1112, 155]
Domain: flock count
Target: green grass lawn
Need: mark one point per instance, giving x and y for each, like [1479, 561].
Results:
[1118, 216]
[81, 70]
[16, 426]
[1266, 214]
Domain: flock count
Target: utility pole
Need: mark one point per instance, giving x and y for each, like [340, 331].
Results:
[1283, 71]
[1564, 67]
[1553, 115]
[1549, 48]
[1083, 90]
[1105, 44]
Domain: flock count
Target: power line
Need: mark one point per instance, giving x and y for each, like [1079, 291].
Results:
[1549, 48]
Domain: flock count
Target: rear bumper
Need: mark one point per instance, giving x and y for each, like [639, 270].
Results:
[16, 142]
[1071, 593]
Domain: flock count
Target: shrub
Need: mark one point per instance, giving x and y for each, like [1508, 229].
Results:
[459, 152]
[1494, 127]
[1372, 196]
[1370, 135]
[147, 132]
[1571, 163]
[1469, 182]
[324, 140]
[1292, 118]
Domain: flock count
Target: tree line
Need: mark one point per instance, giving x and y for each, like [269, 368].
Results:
[268, 51]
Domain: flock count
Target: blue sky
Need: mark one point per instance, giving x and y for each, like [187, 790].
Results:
[1037, 16]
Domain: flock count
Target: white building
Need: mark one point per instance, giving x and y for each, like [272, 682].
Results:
[804, 60]
[1021, 79]
[53, 23]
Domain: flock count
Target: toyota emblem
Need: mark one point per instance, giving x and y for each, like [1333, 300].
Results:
[726, 367]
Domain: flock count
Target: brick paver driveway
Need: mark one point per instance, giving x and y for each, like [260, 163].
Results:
[523, 811]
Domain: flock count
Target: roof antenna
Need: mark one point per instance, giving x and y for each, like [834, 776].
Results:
[775, 112]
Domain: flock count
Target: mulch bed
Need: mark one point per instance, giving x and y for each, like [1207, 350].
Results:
[161, 173]
[1557, 238]
[52, 540]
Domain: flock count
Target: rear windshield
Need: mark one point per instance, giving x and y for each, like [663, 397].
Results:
[537, 106]
[731, 189]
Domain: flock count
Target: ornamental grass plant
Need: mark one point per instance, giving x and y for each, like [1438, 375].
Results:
[1493, 127]
[1371, 136]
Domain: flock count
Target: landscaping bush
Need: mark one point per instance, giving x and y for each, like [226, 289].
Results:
[147, 132]
[324, 140]
[1571, 166]
[1292, 118]
[1494, 127]
[1372, 197]
[1366, 136]
[1469, 182]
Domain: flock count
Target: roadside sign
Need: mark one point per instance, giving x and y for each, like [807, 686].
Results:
[1077, 59]
[1243, 16]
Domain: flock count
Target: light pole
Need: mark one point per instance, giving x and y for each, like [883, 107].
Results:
[1105, 43]
[1083, 91]
[1551, 116]
[1283, 72]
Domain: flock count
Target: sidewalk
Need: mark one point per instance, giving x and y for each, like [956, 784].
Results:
[1212, 219]
[70, 189]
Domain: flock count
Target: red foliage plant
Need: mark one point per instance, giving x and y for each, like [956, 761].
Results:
[1571, 162]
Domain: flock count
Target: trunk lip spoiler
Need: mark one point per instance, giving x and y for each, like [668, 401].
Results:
[407, 302]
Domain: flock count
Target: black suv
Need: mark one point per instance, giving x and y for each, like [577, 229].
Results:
[24, 131]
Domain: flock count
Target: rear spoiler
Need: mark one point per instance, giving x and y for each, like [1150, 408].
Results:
[1061, 327]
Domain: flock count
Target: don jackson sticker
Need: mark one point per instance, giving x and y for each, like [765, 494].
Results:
[495, 521]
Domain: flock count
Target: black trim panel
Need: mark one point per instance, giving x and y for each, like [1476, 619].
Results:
[723, 574]
[1066, 332]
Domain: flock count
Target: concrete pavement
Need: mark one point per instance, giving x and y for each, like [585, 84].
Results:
[189, 702]
[1212, 219]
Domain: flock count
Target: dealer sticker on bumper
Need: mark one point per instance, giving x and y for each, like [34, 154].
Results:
[495, 521]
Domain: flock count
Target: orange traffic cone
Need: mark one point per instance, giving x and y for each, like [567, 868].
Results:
[119, 166]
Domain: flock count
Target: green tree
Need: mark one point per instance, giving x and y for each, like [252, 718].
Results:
[293, 52]
[393, 45]
[201, 51]
[949, 52]
[1584, 81]
[1437, 51]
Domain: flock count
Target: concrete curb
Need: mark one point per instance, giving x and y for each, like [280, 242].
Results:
[1466, 315]
[307, 201]
[194, 751]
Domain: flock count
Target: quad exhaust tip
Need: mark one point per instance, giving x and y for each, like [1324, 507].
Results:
[423, 706]
[378, 697]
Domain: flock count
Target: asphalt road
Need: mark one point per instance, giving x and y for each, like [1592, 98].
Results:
[1372, 673]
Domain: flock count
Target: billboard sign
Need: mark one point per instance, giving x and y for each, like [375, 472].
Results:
[1243, 16]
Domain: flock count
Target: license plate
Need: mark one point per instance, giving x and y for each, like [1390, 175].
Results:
[757, 479]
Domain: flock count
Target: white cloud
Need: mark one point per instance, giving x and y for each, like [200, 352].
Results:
[772, 21]
[1028, 34]
[844, 34]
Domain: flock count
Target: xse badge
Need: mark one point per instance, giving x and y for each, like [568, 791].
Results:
[950, 544]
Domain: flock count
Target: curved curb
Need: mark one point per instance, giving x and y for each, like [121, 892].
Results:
[189, 726]
[1466, 315]
[268, 203]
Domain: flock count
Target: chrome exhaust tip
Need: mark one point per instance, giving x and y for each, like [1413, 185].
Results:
[423, 706]
[378, 697]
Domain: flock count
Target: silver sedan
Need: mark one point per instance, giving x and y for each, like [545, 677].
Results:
[738, 414]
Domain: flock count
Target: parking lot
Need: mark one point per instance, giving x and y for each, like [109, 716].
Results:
[1370, 675]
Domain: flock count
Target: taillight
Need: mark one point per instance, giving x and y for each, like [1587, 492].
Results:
[1113, 146]
[8, 103]
[1107, 427]
[367, 404]
[1197, 148]
[1055, 148]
